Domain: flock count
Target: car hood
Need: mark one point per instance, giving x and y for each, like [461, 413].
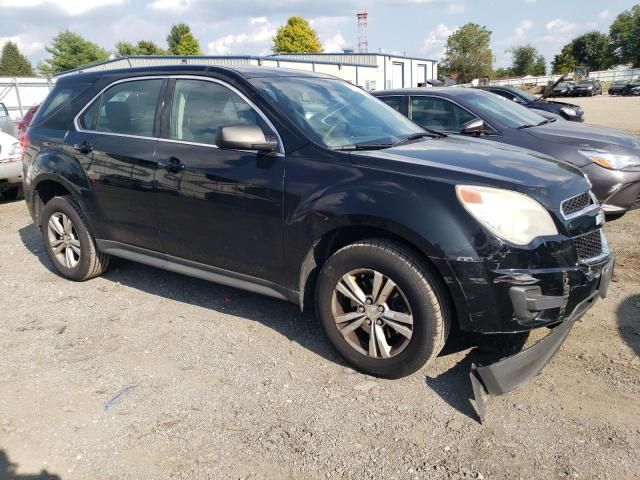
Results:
[460, 160]
[587, 136]
[551, 102]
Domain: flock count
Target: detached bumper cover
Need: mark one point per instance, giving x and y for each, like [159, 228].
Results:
[512, 372]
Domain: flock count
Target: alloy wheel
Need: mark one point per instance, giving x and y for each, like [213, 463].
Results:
[372, 313]
[64, 240]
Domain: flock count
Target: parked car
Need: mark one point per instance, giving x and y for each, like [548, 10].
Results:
[587, 88]
[632, 88]
[611, 159]
[568, 111]
[24, 123]
[303, 187]
[618, 87]
[564, 89]
[10, 167]
[7, 125]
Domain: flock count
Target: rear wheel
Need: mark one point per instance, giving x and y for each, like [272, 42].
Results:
[70, 245]
[383, 310]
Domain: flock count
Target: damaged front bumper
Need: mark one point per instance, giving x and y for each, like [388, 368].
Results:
[512, 372]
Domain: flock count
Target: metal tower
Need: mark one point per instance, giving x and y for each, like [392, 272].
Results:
[363, 43]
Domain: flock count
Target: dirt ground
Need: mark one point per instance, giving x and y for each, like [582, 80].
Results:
[147, 374]
[615, 112]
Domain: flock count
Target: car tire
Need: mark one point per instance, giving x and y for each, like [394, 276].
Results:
[13, 193]
[409, 317]
[69, 243]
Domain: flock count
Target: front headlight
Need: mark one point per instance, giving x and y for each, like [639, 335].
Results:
[569, 111]
[14, 151]
[611, 160]
[589, 87]
[512, 216]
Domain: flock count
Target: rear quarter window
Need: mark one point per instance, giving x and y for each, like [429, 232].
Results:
[56, 111]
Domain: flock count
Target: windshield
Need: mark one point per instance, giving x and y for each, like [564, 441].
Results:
[508, 113]
[526, 95]
[620, 82]
[334, 113]
[584, 82]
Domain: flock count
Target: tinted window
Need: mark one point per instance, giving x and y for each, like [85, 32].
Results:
[394, 102]
[505, 94]
[439, 114]
[129, 108]
[199, 108]
[335, 113]
[3, 111]
[58, 105]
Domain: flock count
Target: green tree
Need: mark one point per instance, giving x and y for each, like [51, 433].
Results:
[564, 62]
[593, 49]
[468, 54]
[296, 36]
[69, 50]
[526, 60]
[503, 72]
[188, 45]
[143, 47]
[181, 41]
[624, 35]
[13, 63]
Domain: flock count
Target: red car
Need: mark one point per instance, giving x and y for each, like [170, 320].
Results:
[23, 124]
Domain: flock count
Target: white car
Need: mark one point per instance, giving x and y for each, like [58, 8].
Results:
[10, 167]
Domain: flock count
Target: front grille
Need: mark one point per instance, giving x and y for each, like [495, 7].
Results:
[589, 245]
[576, 204]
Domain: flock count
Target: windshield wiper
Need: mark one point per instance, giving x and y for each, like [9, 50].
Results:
[418, 136]
[522, 127]
[363, 146]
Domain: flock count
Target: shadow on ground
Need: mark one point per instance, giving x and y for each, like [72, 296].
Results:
[453, 386]
[8, 471]
[628, 316]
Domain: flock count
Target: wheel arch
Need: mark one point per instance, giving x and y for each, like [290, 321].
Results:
[342, 235]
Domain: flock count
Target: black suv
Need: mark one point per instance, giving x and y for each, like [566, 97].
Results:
[306, 188]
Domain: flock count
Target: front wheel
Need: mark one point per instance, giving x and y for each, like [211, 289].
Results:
[384, 310]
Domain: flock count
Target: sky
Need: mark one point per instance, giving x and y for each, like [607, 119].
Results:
[233, 27]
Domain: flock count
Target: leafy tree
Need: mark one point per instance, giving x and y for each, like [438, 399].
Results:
[526, 60]
[564, 62]
[593, 50]
[188, 45]
[13, 63]
[296, 36]
[624, 34]
[143, 47]
[468, 53]
[181, 41]
[69, 50]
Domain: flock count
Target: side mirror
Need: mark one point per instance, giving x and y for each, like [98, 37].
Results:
[244, 137]
[473, 127]
[519, 100]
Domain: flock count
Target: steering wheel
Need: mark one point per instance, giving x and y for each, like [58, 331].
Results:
[344, 125]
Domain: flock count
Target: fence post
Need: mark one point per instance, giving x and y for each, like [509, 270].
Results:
[15, 79]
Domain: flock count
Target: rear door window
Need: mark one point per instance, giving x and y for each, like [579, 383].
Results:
[126, 108]
[394, 102]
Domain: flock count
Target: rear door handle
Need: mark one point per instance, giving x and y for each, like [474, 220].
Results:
[84, 147]
[172, 164]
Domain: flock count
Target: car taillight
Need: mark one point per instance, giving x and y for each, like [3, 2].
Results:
[24, 142]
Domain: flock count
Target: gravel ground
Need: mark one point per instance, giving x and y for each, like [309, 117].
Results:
[615, 112]
[148, 374]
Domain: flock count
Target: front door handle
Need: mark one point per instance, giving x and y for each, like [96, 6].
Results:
[172, 164]
[84, 147]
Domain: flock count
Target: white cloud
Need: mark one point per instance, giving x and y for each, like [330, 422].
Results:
[455, 9]
[26, 47]
[71, 7]
[256, 41]
[335, 44]
[560, 26]
[434, 43]
[521, 30]
[604, 14]
[172, 6]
